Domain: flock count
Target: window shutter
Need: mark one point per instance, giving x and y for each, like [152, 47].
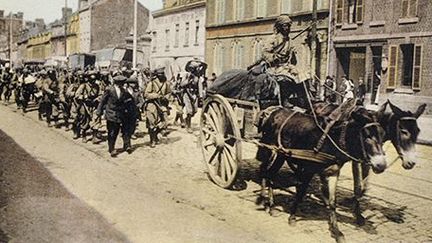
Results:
[392, 68]
[339, 11]
[359, 12]
[412, 8]
[405, 8]
[417, 64]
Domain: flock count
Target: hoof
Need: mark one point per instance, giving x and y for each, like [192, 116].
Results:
[340, 239]
[360, 220]
[260, 200]
[292, 221]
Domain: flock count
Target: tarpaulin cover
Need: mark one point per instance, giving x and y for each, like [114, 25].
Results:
[245, 85]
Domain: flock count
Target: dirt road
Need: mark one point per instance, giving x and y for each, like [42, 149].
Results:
[164, 195]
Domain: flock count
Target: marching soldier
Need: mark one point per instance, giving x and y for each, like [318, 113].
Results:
[85, 96]
[157, 93]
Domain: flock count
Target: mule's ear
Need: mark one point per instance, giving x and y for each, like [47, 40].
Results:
[396, 110]
[420, 110]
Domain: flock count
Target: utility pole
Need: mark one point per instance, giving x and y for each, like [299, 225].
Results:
[10, 39]
[65, 28]
[134, 58]
[313, 57]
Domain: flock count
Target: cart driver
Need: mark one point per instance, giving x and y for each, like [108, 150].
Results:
[279, 53]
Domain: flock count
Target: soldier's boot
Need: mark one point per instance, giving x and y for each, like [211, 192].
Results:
[153, 138]
[76, 132]
[84, 136]
[111, 149]
[189, 124]
[49, 121]
[182, 121]
[67, 126]
[56, 123]
[95, 137]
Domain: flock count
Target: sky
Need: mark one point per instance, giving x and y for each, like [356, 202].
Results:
[50, 10]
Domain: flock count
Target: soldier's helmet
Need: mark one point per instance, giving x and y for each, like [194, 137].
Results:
[159, 73]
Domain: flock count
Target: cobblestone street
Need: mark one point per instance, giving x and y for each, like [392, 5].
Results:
[397, 206]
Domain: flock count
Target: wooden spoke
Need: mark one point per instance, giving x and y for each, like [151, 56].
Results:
[222, 168]
[227, 163]
[221, 117]
[215, 118]
[211, 122]
[212, 157]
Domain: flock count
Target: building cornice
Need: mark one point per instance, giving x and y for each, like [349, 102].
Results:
[264, 19]
[380, 37]
[163, 12]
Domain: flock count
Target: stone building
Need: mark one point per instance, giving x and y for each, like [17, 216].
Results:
[178, 34]
[57, 38]
[106, 23]
[238, 29]
[73, 34]
[391, 38]
[16, 21]
[39, 47]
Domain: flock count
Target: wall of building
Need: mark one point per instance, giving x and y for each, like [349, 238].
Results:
[178, 36]
[238, 30]
[112, 22]
[85, 30]
[385, 24]
[73, 33]
[39, 47]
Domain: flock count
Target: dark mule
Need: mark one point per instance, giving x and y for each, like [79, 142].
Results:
[402, 130]
[301, 132]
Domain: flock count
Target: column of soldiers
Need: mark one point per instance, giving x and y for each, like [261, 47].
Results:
[79, 100]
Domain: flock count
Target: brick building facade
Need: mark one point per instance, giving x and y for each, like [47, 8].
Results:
[238, 29]
[106, 23]
[391, 38]
[178, 34]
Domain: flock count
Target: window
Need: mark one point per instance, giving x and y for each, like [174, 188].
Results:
[167, 38]
[409, 8]
[186, 40]
[177, 35]
[339, 11]
[285, 7]
[258, 47]
[261, 8]
[238, 52]
[239, 9]
[359, 11]
[154, 41]
[220, 11]
[392, 67]
[417, 67]
[219, 53]
[197, 28]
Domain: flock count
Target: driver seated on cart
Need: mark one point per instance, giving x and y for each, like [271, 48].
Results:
[280, 54]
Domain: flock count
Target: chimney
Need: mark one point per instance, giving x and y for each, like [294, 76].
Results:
[1, 13]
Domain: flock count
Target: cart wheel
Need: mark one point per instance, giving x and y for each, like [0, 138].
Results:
[219, 140]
